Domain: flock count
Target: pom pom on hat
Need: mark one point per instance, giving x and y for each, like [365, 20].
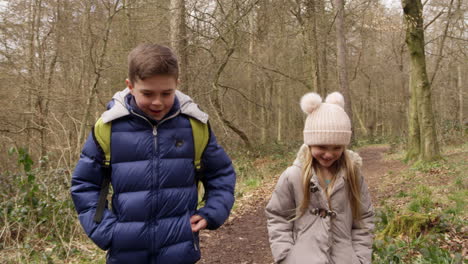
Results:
[310, 102]
[335, 98]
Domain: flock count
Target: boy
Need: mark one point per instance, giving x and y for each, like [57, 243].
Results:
[154, 217]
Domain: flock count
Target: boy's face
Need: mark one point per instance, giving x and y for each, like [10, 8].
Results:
[326, 155]
[154, 95]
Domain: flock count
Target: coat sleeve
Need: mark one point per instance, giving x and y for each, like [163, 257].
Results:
[219, 179]
[85, 188]
[280, 209]
[362, 231]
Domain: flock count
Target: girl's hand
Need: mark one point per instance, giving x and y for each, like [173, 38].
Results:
[198, 223]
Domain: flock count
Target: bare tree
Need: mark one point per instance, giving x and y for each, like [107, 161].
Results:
[179, 40]
[341, 56]
[422, 140]
[111, 9]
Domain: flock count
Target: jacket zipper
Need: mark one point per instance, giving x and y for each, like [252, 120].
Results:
[155, 165]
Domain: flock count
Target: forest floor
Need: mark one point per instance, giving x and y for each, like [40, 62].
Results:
[243, 239]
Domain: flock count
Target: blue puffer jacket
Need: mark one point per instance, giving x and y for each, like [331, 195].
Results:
[154, 186]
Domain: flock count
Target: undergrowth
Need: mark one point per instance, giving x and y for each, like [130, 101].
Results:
[253, 167]
[38, 221]
[425, 221]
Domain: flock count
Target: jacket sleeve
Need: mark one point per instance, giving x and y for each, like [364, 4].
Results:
[219, 179]
[85, 188]
[280, 209]
[362, 231]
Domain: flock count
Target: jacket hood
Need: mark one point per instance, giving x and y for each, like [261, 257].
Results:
[119, 108]
[301, 155]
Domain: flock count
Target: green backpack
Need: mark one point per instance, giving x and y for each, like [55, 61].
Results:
[102, 136]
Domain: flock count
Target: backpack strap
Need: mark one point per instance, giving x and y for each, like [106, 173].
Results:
[201, 137]
[102, 136]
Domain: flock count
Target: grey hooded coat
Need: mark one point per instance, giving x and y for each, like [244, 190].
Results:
[313, 239]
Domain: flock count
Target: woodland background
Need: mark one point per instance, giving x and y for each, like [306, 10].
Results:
[246, 62]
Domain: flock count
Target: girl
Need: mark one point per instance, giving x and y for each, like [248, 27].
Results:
[320, 211]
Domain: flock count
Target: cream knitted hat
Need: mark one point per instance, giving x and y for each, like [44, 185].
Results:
[327, 123]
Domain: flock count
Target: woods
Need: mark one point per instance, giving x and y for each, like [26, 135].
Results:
[401, 68]
[66, 59]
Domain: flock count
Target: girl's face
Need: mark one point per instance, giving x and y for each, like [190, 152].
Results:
[326, 155]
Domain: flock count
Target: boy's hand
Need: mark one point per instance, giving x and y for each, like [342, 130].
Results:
[198, 223]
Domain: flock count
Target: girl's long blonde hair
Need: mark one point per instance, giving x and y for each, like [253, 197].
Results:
[352, 179]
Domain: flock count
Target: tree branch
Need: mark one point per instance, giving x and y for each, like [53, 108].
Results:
[434, 19]
[308, 86]
[241, 93]
[442, 44]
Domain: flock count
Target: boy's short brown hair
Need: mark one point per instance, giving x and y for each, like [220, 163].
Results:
[147, 60]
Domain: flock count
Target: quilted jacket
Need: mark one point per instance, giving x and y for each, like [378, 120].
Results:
[315, 238]
[153, 181]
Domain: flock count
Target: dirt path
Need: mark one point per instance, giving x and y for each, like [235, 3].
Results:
[244, 239]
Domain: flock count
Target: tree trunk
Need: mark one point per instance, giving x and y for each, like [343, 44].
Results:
[179, 40]
[314, 39]
[130, 32]
[98, 69]
[423, 140]
[341, 58]
[44, 100]
[322, 45]
[320, 35]
[160, 11]
[263, 92]
[263, 114]
[414, 144]
[31, 69]
[460, 96]
[251, 78]
[279, 97]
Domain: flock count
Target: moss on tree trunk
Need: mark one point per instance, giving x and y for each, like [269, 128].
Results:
[422, 142]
